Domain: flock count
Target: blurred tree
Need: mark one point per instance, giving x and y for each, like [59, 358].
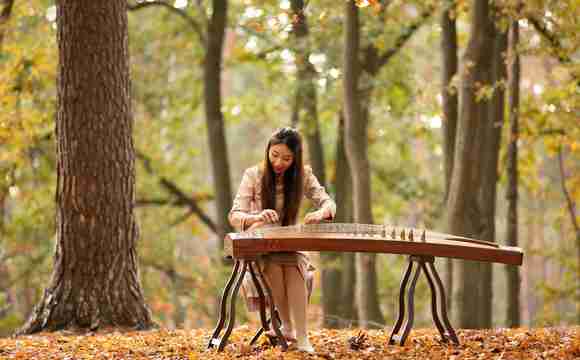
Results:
[356, 142]
[213, 40]
[466, 205]
[95, 279]
[449, 106]
[5, 11]
[513, 90]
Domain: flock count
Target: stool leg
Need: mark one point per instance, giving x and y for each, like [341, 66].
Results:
[410, 306]
[434, 307]
[275, 321]
[232, 312]
[439, 285]
[402, 289]
[223, 303]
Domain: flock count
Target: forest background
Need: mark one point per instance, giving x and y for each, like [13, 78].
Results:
[269, 76]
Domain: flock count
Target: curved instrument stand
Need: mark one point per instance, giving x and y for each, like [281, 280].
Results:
[229, 296]
[416, 264]
[398, 335]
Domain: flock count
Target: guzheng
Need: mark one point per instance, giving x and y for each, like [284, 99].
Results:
[347, 237]
[421, 247]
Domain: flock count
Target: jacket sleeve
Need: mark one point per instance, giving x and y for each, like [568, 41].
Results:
[242, 204]
[318, 195]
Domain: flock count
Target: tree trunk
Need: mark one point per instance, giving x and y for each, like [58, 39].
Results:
[490, 156]
[571, 207]
[369, 312]
[450, 103]
[5, 12]
[513, 274]
[449, 95]
[466, 215]
[214, 117]
[95, 280]
[306, 113]
[337, 277]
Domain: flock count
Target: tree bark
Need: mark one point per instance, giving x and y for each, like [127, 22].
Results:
[450, 103]
[95, 280]
[513, 274]
[306, 113]
[466, 215]
[214, 117]
[369, 312]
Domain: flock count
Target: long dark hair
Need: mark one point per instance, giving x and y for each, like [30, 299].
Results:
[293, 176]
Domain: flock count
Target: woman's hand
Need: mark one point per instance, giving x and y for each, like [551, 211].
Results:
[269, 216]
[255, 225]
[314, 217]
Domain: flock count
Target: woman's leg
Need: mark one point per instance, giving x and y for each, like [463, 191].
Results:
[296, 285]
[275, 276]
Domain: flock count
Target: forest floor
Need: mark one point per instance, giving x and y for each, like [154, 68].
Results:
[424, 344]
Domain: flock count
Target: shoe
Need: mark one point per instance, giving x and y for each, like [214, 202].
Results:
[304, 346]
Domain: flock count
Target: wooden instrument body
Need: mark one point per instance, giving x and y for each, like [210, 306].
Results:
[426, 243]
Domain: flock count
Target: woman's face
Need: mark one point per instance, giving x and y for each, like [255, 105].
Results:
[281, 158]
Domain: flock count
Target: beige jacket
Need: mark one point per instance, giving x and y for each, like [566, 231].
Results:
[248, 200]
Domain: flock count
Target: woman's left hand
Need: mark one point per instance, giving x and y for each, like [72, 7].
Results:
[314, 217]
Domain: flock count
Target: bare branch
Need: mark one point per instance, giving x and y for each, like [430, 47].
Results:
[404, 37]
[551, 38]
[181, 197]
[188, 18]
[154, 202]
[169, 271]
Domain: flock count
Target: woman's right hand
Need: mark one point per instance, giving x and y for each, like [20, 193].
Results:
[269, 216]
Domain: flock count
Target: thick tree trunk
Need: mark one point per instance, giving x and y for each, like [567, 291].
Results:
[513, 273]
[306, 113]
[466, 215]
[369, 312]
[95, 280]
[450, 103]
[214, 117]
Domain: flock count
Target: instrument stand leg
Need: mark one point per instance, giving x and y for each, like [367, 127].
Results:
[394, 337]
[437, 287]
[438, 309]
[232, 312]
[410, 305]
[263, 318]
[214, 340]
[275, 319]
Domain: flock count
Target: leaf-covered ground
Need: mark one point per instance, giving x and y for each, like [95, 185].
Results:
[548, 343]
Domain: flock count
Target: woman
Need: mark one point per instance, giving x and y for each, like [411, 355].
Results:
[271, 193]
